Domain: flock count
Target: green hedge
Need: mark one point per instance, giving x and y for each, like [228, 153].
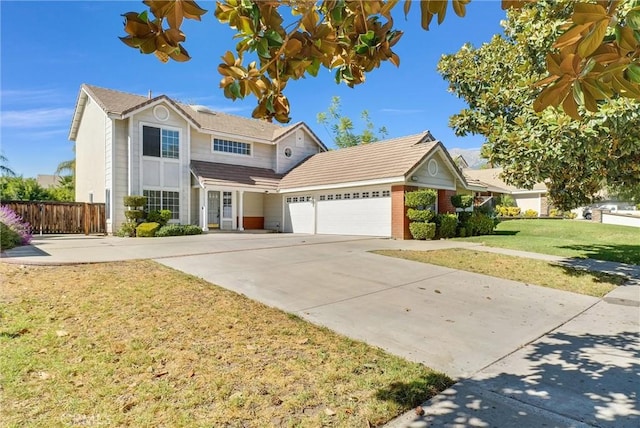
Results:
[420, 215]
[178, 230]
[447, 225]
[159, 216]
[134, 215]
[420, 198]
[422, 230]
[147, 230]
[135, 201]
[462, 201]
[479, 224]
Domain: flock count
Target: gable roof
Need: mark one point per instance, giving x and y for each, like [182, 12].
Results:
[223, 174]
[389, 159]
[490, 177]
[122, 104]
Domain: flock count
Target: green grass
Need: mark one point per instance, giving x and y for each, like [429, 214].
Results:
[567, 238]
[530, 271]
[139, 344]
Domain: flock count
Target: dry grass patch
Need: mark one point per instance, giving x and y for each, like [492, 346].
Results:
[139, 344]
[520, 269]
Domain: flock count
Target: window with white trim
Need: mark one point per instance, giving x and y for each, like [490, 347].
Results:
[163, 200]
[375, 194]
[226, 204]
[160, 142]
[234, 147]
[365, 194]
[356, 195]
[295, 199]
[288, 200]
[323, 197]
[386, 193]
[338, 196]
[330, 197]
[347, 195]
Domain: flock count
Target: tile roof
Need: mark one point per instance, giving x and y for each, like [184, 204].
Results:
[490, 177]
[121, 103]
[222, 174]
[379, 160]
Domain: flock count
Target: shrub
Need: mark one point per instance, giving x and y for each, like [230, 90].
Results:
[191, 229]
[506, 200]
[570, 215]
[479, 224]
[447, 225]
[420, 215]
[135, 201]
[513, 211]
[422, 230]
[462, 201]
[462, 232]
[134, 215]
[531, 213]
[170, 230]
[555, 212]
[8, 237]
[147, 230]
[420, 198]
[159, 216]
[14, 222]
[127, 229]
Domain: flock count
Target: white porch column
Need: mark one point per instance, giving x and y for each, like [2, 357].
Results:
[204, 209]
[240, 209]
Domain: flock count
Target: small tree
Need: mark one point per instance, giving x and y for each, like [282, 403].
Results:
[134, 214]
[419, 203]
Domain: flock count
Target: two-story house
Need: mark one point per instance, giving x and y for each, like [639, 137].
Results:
[218, 170]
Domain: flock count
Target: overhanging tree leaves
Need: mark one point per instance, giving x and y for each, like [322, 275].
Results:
[575, 159]
[354, 37]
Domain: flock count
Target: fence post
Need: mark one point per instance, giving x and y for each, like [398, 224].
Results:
[41, 206]
[86, 219]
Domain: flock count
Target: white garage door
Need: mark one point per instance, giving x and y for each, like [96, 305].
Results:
[299, 215]
[367, 216]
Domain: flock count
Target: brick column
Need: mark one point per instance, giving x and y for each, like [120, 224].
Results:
[399, 220]
[444, 201]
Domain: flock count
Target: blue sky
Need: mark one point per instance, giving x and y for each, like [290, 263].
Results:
[48, 49]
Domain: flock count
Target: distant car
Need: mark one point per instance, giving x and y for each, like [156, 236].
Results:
[586, 213]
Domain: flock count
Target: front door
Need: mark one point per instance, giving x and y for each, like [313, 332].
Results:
[213, 213]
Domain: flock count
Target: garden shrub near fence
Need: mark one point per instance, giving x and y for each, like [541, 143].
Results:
[178, 230]
[147, 230]
[15, 231]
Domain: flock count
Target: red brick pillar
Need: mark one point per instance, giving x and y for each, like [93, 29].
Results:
[399, 220]
[444, 201]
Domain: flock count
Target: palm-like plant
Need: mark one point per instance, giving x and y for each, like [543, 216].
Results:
[4, 169]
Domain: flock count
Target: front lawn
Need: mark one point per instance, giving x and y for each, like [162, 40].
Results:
[569, 238]
[520, 269]
[139, 344]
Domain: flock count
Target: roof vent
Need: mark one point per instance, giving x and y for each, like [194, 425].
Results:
[202, 109]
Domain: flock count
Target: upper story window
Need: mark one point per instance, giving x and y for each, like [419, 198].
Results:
[159, 142]
[234, 147]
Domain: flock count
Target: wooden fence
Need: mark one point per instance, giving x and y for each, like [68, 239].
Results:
[61, 217]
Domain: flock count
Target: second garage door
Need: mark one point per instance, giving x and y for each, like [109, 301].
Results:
[367, 216]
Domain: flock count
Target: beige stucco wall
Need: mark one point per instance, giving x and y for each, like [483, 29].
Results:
[91, 141]
[253, 204]
[302, 146]
[273, 211]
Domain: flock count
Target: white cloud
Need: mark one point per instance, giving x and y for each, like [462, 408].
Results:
[29, 96]
[35, 118]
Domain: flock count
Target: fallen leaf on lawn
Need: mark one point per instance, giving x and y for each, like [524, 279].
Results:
[43, 375]
[61, 333]
[303, 341]
[419, 411]
[43, 351]
[276, 401]
[160, 374]
[191, 373]
[329, 412]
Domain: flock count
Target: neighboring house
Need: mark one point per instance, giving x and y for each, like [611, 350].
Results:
[534, 199]
[47, 181]
[223, 171]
